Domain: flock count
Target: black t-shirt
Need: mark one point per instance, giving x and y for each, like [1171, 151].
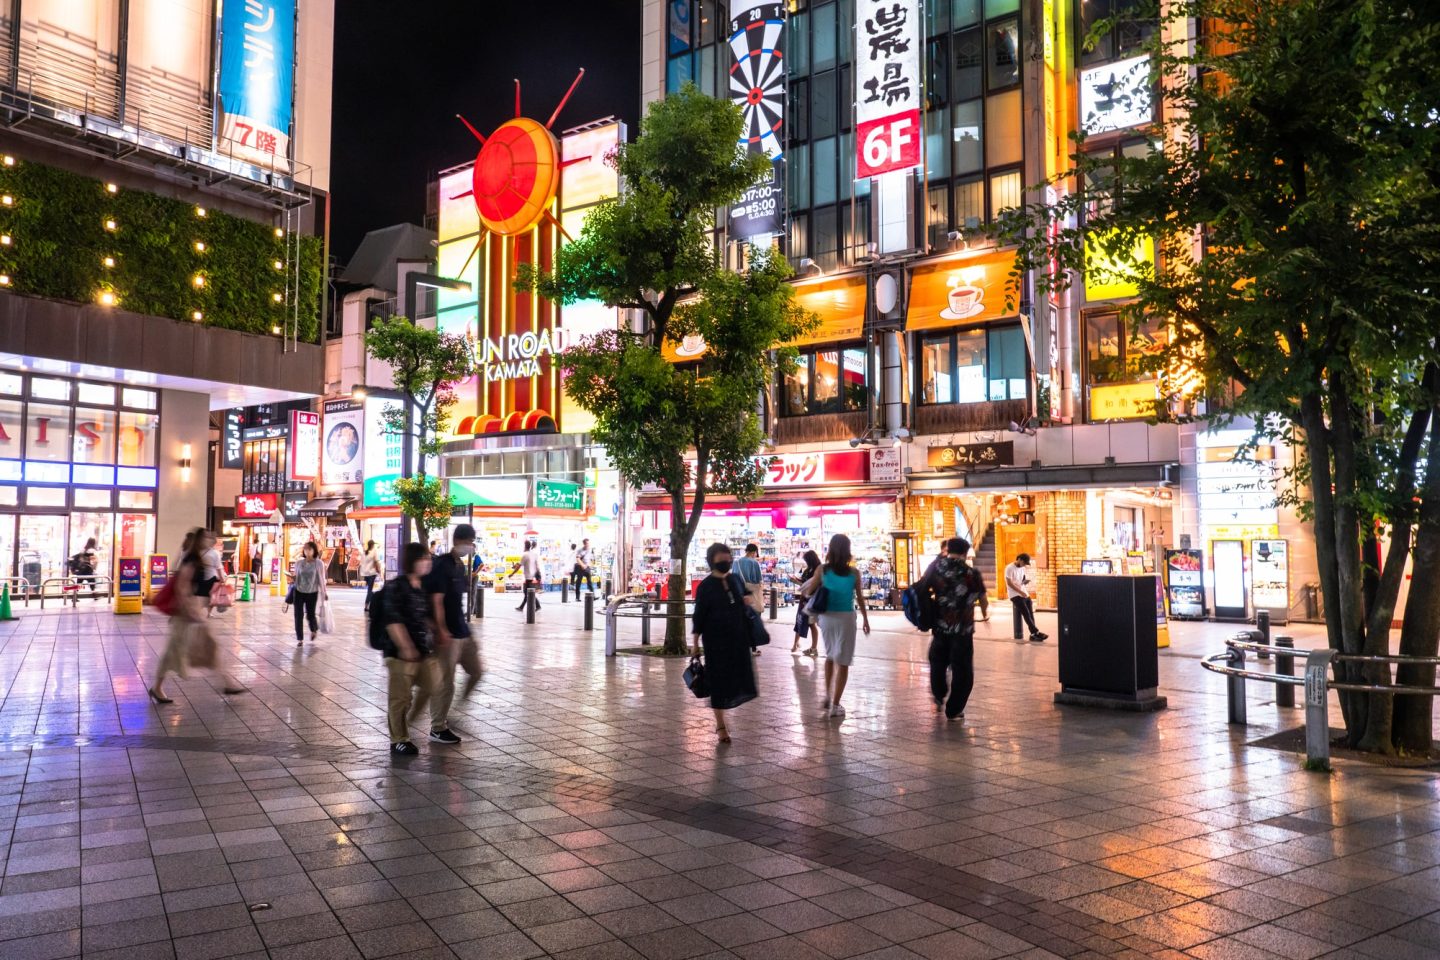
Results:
[447, 577]
[403, 604]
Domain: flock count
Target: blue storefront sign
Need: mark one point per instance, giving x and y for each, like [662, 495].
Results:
[257, 80]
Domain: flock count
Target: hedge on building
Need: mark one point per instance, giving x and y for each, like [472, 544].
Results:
[70, 237]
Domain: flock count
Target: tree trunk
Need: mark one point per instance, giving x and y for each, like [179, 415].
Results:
[677, 583]
[1420, 633]
[1351, 575]
[1317, 450]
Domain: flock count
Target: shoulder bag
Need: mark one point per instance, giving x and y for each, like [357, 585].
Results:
[819, 600]
[759, 636]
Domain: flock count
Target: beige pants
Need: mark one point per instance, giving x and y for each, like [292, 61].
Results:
[424, 673]
[467, 653]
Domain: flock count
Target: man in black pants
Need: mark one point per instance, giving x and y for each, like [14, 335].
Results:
[1022, 596]
[956, 587]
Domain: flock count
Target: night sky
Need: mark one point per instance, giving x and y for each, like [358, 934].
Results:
[400, 78]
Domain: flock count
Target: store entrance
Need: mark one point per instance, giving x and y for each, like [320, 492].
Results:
[38, 546]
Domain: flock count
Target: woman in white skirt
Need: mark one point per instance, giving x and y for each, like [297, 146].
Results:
[841, 582]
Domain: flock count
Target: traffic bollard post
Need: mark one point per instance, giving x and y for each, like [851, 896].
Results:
[774, 602]
[1317, 710]
[1235, 690]
[1262, 627]
[529, 604]
[1284, 667]
[589, 611]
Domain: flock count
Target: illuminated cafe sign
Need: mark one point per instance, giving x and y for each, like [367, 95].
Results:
[958, 456]
[517, 355]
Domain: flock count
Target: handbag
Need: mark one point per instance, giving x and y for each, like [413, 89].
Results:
[759, 636]
[695, 678]
[290, 596]
[326, 617]
[222, 596]
[819, 601]
[165, 600]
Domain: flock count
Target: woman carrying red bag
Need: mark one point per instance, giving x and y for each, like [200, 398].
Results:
[190, 641]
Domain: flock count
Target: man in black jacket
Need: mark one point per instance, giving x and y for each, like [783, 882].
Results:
[409, 649]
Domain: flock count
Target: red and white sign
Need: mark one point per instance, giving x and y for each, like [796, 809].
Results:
[824, 469]
[304, 445]
[887, 86]
[256, 506]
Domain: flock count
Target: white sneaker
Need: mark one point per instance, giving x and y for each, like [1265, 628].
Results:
[837, 711]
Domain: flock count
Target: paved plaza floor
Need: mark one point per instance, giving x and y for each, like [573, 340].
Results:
[589, 812]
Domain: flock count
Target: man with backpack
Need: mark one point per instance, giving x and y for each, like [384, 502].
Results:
[955, 587]
[400, 628]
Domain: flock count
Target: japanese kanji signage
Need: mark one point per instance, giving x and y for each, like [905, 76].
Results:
[959, 455]
[887, 86]
[757, 86]
[1123, 401]
[257, 80]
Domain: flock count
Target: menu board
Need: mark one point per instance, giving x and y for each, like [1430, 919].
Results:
[1185, 583]
[1227, 562]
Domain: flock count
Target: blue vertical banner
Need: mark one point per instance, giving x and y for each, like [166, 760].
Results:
[257, 80]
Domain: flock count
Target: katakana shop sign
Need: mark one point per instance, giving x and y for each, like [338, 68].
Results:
[757, 86]
[257, 80]
[887, 86]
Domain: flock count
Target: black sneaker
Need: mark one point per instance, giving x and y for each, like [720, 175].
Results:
[405, 749]
[444, 736]
[1038, 637]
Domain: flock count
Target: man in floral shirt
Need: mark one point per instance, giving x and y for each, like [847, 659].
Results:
[956, 587]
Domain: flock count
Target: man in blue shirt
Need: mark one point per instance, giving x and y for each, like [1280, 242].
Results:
[748, 567]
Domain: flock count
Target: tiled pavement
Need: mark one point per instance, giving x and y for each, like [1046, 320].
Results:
[590, 814]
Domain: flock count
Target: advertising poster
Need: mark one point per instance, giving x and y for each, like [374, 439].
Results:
[1270, 576]
[342, 455]
[257, 80]
[1227, 559]
[382, 456]
[887, 86]
[128, 584]
[304, 445]
[757, 86]
[1185, 583]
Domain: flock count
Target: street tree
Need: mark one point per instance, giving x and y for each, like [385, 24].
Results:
[690, 429]
[1290, 193]
[426, 365]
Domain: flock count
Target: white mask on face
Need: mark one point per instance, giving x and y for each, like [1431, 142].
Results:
[465, 549]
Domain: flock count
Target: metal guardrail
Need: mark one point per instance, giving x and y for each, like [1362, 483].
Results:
[20, 588]
[1315, 680]
[71, 587]
[254, 585]
[637, 606]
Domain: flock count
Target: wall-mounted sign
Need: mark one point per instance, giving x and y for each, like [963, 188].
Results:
[342, 456]
[232, 450]
[517, 355]
[1123, 401]
[1185, 583]
[962, 455]
[1235, 486]
[1116, 95]
[382, 455]
[502, 492]
[1270, 576]
[256, 87]
[269, 431]
[885, 465]
[559, 495]
[811, 469]
[304, 445]
[887, 86]
[757, 87]
[256, 506]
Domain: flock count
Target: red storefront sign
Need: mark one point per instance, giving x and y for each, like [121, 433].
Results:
[256, 506]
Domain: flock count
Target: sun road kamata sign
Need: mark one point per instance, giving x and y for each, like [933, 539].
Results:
[887, 86]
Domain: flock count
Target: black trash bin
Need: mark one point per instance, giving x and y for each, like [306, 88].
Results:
[1108, 642]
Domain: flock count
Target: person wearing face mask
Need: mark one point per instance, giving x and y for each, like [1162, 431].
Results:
[723, 634]
[445, 587]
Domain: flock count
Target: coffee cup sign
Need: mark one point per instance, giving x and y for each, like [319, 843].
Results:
[966, 294]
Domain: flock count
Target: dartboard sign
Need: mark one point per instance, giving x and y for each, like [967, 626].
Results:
[757, 85]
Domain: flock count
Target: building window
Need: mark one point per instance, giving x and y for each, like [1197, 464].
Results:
[827, 380]
[974, 366]
[1120, 351]
[1125, 36]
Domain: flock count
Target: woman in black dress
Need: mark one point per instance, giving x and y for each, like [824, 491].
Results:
[720, 628]
[804, 625]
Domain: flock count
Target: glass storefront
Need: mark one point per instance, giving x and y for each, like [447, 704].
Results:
[78, 461]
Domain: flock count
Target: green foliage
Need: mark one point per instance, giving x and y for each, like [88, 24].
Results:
[426, 364]
[424, 500]
[59, 245]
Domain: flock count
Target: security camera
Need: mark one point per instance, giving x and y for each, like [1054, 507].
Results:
[854, 441]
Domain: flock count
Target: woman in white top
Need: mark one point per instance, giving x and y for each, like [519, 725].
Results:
[371, 568]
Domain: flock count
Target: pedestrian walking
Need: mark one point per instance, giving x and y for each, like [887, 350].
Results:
[308, 587]
[1022, 596]
[805, 625]
[407, 644]
[530, 572]
[372, 568]
[956, 587]
[841, 582]
[445, 586]
[748, 569]
[582, 568]
[213, 571]
[722, 634]
[190, 642]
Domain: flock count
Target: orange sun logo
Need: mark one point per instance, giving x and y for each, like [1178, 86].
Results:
[517, 173]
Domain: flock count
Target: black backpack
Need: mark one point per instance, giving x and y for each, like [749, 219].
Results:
[376, 632]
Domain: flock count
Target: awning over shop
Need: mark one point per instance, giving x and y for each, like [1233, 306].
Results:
[839, 302]
[827, 496]
[965, 290]
[326, 506]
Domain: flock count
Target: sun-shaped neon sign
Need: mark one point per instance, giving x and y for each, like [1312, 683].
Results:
[517, 173]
